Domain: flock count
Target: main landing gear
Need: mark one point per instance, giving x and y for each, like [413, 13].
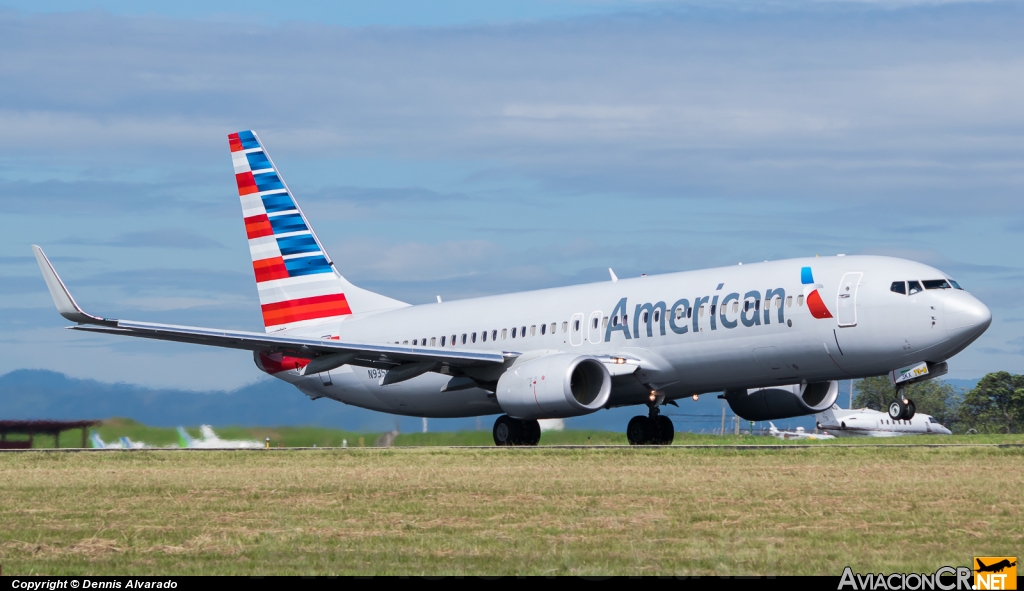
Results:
[901, 409]
[654, 429]
[509, 431]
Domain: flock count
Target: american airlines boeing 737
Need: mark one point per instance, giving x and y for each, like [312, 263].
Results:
[773, 336]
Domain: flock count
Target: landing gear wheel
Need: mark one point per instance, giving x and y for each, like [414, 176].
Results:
[665, 430]
[897, 409]
[529, 433]
[506, 431]
[911, 410]
[638, 430]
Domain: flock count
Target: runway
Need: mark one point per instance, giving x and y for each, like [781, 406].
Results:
[531, 448]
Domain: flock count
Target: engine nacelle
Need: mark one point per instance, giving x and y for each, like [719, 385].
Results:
[782, 402]
[554, 387]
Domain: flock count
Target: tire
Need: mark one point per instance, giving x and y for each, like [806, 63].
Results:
[665, 429]
[911, 410]
[506, 431]
[897, 409]
[529, 433]
[638, 431]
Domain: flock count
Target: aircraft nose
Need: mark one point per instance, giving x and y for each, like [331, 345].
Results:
[966, 317]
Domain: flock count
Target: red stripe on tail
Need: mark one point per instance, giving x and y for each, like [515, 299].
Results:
[289, 311]
[235, 142]
[258, 226]
[270, 269]
[246, 184]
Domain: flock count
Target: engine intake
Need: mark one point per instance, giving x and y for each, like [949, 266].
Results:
[782, 402]
[554, 386]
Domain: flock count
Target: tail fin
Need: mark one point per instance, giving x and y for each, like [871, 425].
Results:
[184, 440]
[95, 442]
[207, 432]
[297, 280]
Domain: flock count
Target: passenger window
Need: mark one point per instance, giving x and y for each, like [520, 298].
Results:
[576, 326]
[442, 341]
[899, 287]
[405, 342]
[789, 301]
[625, 319]
[504, 333]
[533, 330]
[913, 287]
[483, 337]
[414, 341]
[757, 304]
[513, 332]
[464, 338]
[735, 306]
[799, 300]
[604, 322]
[543, 329]
[494, 335]
[713, 306]
[433, 341]
[553, 326]
[679, 313]
[936, 284]
[701, 313]
[453, 340]
[565, 327]
[522, 330]
[473, 338]
[596, 320]
[746, 305]
[689, 312]
[657, 315]
[642, 318]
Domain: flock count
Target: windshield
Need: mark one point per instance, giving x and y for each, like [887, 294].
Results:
[936, 284]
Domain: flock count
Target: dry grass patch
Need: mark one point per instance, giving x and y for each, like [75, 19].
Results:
[687, 512]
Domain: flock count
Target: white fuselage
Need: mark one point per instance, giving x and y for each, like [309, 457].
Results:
[741, 345]
[865, 422]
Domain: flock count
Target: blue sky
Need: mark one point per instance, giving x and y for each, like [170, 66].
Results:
[478, 148]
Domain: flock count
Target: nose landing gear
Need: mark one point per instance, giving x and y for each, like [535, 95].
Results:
[509, 431]
[654, 429]
[901, 409]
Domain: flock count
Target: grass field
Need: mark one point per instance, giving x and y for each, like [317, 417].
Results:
[112, 429]
[810, 510]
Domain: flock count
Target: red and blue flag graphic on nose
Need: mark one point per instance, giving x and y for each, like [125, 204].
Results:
[814, 303]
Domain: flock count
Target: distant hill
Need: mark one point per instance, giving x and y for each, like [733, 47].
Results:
[41, 394]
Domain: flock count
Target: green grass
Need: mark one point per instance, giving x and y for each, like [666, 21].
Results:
[441, 511]
[112, 429]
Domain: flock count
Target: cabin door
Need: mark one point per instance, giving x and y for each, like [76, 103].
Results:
[846, 300]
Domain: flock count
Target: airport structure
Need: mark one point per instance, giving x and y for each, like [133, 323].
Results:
[774, 336]
[33, 428]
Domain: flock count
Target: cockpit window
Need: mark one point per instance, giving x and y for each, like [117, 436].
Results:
[956, 285]
[936, 284]
[899, 287]
[932, 420]
[914, 286]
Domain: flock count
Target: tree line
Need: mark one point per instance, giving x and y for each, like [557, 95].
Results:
[995, 405]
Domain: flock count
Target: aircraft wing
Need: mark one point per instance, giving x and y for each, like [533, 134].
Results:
[364, 354]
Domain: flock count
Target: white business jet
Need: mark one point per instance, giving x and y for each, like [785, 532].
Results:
[800, 433]
[209, 440]
[865, 422]
[569, 351]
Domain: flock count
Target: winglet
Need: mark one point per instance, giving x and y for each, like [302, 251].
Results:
[62, 297]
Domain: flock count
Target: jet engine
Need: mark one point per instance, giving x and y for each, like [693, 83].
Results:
[782, 402]
[554, 387]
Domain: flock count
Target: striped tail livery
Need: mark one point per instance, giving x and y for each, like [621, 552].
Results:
[297, 282]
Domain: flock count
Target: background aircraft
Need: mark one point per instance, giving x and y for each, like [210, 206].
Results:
[800, 433]
[570, 351]
[865, 422]
[209, 440]
[123, 443]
